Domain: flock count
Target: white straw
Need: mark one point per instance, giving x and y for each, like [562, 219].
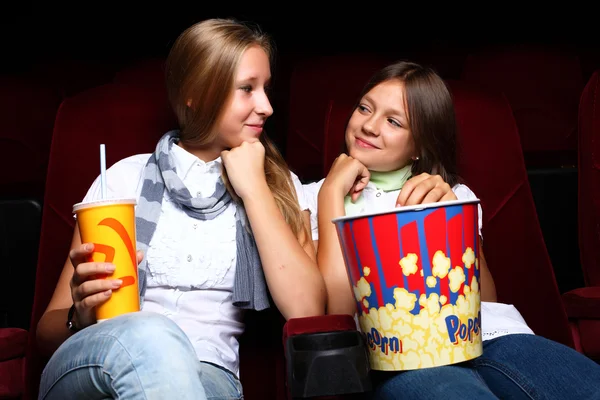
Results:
[103, 170]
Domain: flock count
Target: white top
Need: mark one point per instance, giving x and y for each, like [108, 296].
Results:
[192, 262]
[497, 319]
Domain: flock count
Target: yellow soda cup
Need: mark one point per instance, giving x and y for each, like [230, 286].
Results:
[110, 225]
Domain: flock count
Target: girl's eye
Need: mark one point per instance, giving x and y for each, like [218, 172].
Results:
[394, 122]
[362, 108]
[246, 88]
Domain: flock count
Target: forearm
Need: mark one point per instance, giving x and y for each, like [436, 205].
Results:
[330, 258]
[52, 330]
[292, 276]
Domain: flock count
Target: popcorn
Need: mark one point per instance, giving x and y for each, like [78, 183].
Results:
[409, 264]
[362, 289]
[441, 264]
[456, 278]
[439, 334]
[431, 281]
[404, 299]
[468, 257]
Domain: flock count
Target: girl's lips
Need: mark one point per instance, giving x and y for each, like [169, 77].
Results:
[256, 128]
[365, 144]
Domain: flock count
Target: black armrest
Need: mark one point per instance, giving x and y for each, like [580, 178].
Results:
[327, 364]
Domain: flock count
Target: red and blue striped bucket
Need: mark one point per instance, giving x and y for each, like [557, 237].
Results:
[414, 273]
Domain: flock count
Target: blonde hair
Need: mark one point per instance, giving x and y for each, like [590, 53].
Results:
[201, 66]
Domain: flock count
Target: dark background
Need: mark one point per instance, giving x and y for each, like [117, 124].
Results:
[122, 31]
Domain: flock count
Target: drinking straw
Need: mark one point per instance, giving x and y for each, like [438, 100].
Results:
[103, 170]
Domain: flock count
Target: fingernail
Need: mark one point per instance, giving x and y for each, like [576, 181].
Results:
[108, 293]
[110, 268]
[87, 247]
[117, 283]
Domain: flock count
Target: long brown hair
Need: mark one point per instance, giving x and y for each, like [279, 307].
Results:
[431, 118]
[201, 66]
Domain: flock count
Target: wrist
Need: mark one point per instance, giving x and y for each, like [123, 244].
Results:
[72, 323]
[331, 205]
[257, 191]
[331, 192]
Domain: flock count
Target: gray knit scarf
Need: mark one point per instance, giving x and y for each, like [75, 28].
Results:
[249, 291]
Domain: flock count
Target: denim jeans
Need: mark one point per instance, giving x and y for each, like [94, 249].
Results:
[141, 355]
[511, 367]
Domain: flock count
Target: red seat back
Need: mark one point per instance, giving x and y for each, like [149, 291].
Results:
[119, 116]
[542, 86]
[491, 162]
[27, 112]
[589, 180]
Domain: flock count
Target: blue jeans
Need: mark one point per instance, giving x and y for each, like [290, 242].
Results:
[511, 367]
[141, 355]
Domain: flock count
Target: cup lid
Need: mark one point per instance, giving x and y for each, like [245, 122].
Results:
[100, 202]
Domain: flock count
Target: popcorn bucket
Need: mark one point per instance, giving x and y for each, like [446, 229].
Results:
[414, 273]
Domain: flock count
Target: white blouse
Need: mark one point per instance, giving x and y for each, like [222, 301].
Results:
[191, 262]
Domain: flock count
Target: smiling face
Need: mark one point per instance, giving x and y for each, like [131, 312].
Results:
[248, 106]
[245, 106]
[378, 133]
